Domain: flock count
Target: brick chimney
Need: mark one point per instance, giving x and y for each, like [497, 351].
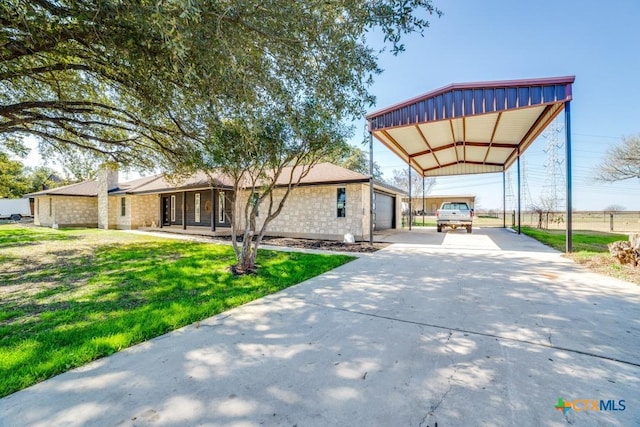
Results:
[107, 180]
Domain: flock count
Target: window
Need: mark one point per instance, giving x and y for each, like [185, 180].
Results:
[50, 206]
[173, 208]
[342, 202]
[123, 206]
[221, 206]
[197, 207]
[254, 201]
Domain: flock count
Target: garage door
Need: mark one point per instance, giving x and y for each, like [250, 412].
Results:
[385, 211]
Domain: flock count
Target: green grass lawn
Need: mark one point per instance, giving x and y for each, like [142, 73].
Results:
[71, 296]
[589, 241]
[589, 249]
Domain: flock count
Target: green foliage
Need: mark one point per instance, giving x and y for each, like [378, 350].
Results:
[355, 159]
[589, 241]
[13, 182]
[93, 303]
[17, 180]
[139, 82]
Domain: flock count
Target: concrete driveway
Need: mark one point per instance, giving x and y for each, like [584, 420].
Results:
[482, 329]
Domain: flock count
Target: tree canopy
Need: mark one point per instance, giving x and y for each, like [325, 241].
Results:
[134, 81]
[622, 161]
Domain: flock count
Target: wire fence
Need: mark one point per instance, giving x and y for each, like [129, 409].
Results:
[620, 221]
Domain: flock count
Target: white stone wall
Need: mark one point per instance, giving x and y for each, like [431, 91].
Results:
[66, 211]
[143, 211]
[311, 211]
[107, 179]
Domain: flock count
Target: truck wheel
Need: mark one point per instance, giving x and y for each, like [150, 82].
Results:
[439, 229]
[469, 229]
[16, 217]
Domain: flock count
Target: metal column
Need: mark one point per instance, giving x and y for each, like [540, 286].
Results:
[410, 206]
[423, 201]
[370, 188]
[567, 129]
[519, 230]
[504, 199]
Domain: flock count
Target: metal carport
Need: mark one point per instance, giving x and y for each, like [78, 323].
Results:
[472, 128]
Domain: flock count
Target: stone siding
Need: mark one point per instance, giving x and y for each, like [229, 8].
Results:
[66, 211]
[311, 211]
[143, 211]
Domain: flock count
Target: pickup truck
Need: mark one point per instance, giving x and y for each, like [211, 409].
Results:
[454, 215]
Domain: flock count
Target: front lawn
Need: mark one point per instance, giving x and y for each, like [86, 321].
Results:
[71, 296]
[589, 249]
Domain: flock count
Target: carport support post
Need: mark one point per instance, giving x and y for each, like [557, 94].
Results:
[518, 167]
[423, 201]
[567, 129]
[410, 207]
[370, 188]
[504, 199]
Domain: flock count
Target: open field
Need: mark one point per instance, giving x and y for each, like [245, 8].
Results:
[71, 296]
[623, 222]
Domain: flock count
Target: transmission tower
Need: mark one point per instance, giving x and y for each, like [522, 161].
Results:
[552, 189]
[510, 196]
[526, 193]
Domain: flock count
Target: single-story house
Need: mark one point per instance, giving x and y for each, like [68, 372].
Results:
[329, 202]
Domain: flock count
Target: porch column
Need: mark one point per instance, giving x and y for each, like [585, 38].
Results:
[213, 210]
[184, 210]
[160, 211]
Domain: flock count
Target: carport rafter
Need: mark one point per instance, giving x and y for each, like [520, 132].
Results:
[505, 117]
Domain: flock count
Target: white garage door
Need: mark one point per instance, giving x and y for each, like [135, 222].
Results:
[385, 211]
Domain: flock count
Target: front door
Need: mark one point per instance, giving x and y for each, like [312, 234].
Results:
[166, 210]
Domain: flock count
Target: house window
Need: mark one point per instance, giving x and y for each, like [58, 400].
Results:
[123, 206]
[341, 200]
[50, 206]
[197, 207]
[254, 201]
[173, 208]
[221, 206]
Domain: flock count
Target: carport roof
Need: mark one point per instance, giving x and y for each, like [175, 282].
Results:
[470, 128]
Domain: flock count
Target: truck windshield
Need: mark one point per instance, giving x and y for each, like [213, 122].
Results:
[455, 206]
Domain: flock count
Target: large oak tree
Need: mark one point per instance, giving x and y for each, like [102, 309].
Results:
[150, 83]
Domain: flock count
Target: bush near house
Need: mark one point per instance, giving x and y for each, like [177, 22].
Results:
[71, 296]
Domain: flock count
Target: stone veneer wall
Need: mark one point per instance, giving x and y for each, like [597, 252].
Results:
[107, 179]
[311, 212]
[140, 211]
[66, 211]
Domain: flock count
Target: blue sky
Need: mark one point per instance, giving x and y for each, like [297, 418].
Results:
[501, 40]
[473, 41]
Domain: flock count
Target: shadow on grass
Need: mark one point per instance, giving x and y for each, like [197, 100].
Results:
[128, 294]
[17, 237]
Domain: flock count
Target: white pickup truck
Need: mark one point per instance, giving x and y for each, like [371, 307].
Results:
[454, 215]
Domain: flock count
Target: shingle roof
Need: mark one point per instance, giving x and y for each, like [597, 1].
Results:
[322, 173]
[85, 188]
